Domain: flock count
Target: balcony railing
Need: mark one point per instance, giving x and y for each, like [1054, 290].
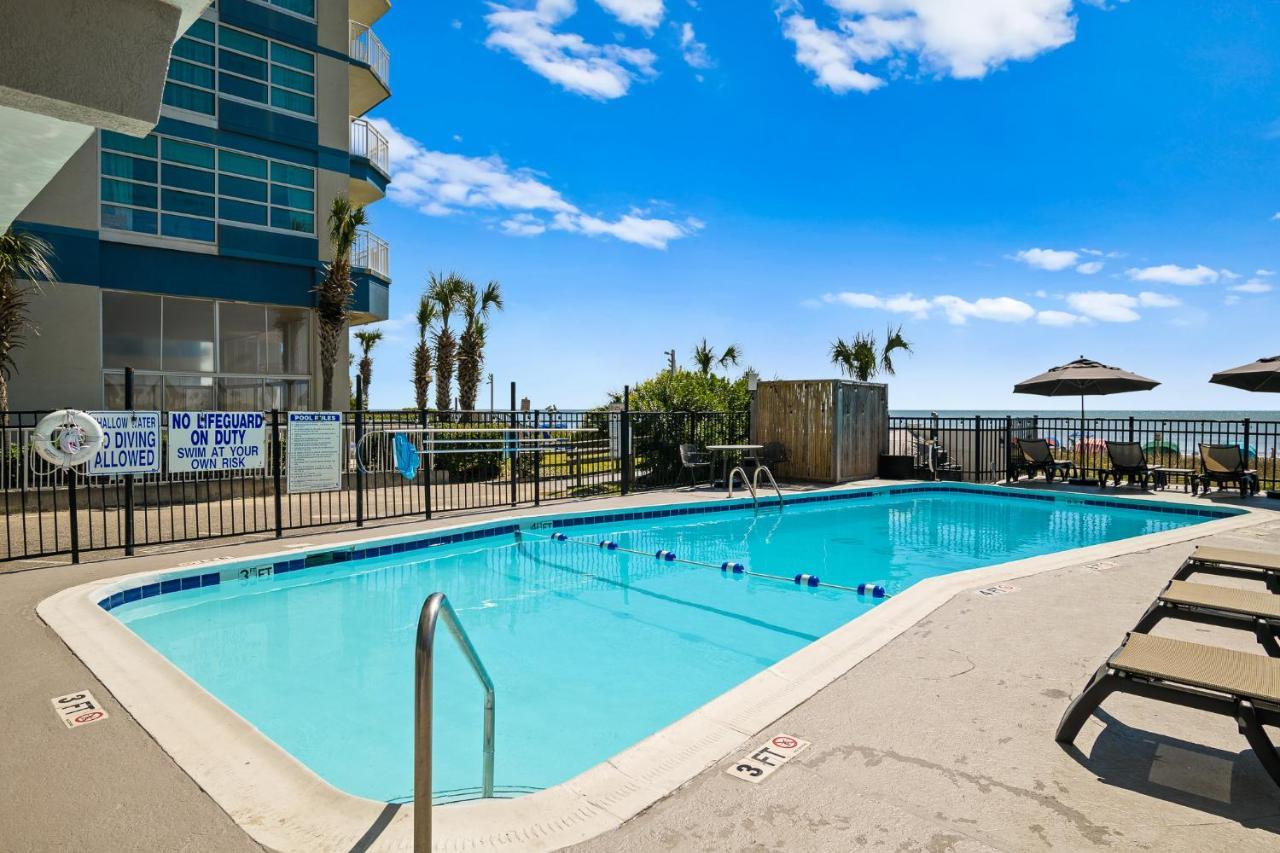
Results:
[371, 252]
[367, 48]
[368, 143]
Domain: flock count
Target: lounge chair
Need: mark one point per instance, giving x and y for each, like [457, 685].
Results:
[1233, 562]
[1036, 456]
[693, 460]
[1218, 605]
[1240, 685]
[1128, 460]
[1223, 464]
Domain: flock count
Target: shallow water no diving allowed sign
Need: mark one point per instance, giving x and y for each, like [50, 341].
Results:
[760, 763]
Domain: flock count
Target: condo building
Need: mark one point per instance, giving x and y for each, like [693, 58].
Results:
[191, 253]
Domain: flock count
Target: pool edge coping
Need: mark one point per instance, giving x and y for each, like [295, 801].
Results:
[285, 805]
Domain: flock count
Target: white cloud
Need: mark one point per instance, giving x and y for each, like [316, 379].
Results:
[1228, 275]
[442, 184]
[1174, 274]
[1002, 309]
[1090, 268]
[1253, 285]
[958, 311]
[1264, 273]
[1052, 260]
[942, 37]
[1117, 307]
[566, 59]
[646, 14]
[1147, 299]
[693, 51]
[1059, 318]
[1230, 299]
[1275, 216]
[1108, 307]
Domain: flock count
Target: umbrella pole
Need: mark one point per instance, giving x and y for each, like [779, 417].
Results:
[1080, 442]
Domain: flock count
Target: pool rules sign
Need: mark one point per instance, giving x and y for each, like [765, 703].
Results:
[313, 459]
[216, 441]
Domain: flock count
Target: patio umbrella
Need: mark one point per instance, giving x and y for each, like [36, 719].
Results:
[1260, 375]
[1087, 378]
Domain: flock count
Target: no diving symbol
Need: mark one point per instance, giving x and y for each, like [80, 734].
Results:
[784, 742]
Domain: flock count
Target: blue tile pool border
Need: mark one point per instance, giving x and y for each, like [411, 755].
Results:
[202, 577]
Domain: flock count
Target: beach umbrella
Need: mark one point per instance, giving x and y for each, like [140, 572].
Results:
[1162, 445]
[1260, 375]
[1085, 378]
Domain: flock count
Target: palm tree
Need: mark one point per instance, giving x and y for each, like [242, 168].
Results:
[862, 359]
[475, 312]
[22, 256]
[446, 292]
[422, 352]
[367, 341]
[705, 357]
[333, 293]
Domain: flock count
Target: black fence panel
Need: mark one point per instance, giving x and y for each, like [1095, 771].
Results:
[468, 461]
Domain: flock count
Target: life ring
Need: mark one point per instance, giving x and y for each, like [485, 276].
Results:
[67, 438]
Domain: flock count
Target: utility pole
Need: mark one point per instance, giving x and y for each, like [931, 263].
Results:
[491, 392]
[671, 360]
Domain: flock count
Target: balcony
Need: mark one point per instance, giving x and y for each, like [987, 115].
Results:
[370, 163]
[371, 273]
[369, 71]
[368, 11]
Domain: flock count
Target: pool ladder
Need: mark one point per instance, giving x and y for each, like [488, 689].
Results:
[433, 609]
[753, 484]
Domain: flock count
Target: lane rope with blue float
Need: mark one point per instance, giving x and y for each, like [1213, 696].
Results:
[728, 567]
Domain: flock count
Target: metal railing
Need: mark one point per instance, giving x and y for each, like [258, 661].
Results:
[367, 48]
[371, 252]
[565, 455]
[435, 607]
[368, 142]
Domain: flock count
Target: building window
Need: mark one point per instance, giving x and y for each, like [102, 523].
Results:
[260, 70]
[305, 8]
[175, 188]
[190, 84]
[200, 354]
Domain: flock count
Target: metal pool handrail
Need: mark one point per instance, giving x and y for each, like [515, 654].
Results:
[433, 608]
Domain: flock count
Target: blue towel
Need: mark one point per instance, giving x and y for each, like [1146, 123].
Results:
[406, 456]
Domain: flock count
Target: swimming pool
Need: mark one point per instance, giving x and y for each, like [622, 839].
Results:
[591, 649]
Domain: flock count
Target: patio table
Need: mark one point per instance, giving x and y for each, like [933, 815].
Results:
[725, 450]
[1163, 474]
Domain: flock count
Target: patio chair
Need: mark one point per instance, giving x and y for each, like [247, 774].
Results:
[1240, 685]
[773, 453]
[1218, 605]
[1128, 460]
[1224, 464]
[1233, 562]
[693, 460]
[1037, 457]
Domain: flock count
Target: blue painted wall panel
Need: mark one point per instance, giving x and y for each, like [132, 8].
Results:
[259, 18]
[254, 121]
[143, 268]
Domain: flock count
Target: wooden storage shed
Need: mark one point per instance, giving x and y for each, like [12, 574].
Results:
[834, 430]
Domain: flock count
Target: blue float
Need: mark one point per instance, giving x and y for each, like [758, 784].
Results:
[559, 537]
[807, 580]
[608, 544]
[730, 566]
[871, 589]
[669, 556]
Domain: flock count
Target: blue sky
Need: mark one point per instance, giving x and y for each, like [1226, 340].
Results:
[1017, 183]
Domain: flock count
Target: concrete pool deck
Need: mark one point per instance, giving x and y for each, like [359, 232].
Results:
[943, 737]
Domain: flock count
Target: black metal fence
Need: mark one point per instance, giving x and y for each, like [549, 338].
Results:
[977, 449]
[485, 460]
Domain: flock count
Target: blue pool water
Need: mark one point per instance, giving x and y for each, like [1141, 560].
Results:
[590, 650]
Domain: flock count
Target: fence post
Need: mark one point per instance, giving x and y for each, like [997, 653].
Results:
[1131, 427]
[537, 463]
[624, 438]
[515, 451]
[977, 448]
[359, 435]
[1246, 443]
[73, 504]
[275, 469]
[128, 478]
[428, 459]
[1008, 448]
